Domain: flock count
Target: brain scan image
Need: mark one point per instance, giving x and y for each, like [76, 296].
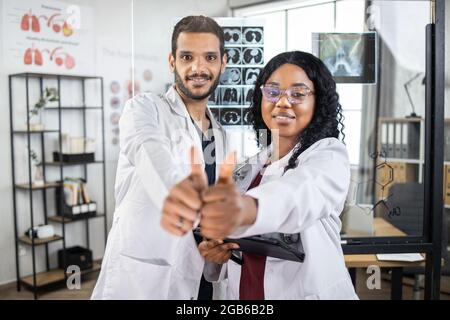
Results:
[253, 56]
[252, 35]
[232, 35]
[231, 76]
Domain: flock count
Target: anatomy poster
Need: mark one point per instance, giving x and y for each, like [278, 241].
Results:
[48, 36]
[118, 84]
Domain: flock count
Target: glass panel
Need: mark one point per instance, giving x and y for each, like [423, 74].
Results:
[376, 53]
[275, 33]
[303, 22]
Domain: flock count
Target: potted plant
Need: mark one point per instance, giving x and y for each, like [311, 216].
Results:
[37, 170]
[35, 114]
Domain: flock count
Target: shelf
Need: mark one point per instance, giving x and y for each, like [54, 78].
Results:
[26, 186]
[33, 131]
[59, 219]
[74, 108]
[38, 242]
[412, 161]
[398, 120]
[54, 276]
[69, 163]
[50, 75]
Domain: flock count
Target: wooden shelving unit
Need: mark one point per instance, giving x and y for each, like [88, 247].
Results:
[53, 132]
[54, 276]
[38, 242]
[48, 185]
[59, 219]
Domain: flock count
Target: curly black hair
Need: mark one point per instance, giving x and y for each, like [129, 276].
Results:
[327, 120]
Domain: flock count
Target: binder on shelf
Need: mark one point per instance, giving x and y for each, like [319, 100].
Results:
[414, 140]
[384, 136]
[405, 149]
[390, 140]
[447, 141]
[398, 140]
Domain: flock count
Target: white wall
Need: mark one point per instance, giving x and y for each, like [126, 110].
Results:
[153, 23]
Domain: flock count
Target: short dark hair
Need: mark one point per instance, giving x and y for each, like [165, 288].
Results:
[197, 24]
[327, 120]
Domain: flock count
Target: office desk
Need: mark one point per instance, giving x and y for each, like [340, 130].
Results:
[382, 228]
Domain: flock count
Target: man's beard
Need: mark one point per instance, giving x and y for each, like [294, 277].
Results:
[189, 94]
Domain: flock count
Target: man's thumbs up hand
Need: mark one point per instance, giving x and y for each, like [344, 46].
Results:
[182, 205]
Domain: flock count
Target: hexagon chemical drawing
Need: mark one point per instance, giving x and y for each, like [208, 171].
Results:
[384, 177]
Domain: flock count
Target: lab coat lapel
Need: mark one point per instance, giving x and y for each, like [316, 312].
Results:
[276, 169]
[246, 172]
[219, 140]
[178, 106]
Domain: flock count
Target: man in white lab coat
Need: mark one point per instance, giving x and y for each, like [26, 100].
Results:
[143, 261]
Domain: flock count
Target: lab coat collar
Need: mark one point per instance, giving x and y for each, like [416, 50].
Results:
[277, 167]
[176, 103]
[178, 106]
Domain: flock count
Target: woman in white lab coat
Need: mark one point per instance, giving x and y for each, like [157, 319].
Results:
[296, 185]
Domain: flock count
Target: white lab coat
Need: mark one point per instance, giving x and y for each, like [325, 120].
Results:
[306, 200]
[143, 261]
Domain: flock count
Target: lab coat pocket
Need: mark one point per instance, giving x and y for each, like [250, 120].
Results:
[341, 290]
[142, 236]
[189, 262]
[142, 280]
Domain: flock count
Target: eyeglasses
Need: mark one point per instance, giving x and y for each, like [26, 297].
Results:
[295, 95]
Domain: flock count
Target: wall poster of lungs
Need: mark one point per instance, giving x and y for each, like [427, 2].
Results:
[48, 37]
